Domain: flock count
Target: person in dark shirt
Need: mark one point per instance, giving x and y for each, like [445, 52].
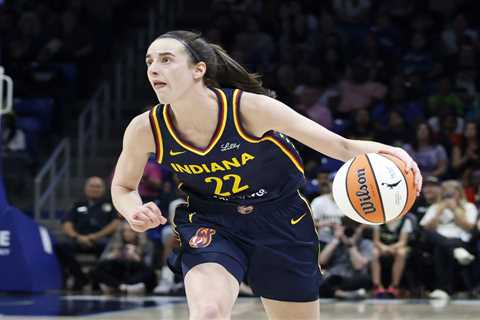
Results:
[88, 227]
[430, 194]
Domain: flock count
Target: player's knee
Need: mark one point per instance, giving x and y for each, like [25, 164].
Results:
[210, 311]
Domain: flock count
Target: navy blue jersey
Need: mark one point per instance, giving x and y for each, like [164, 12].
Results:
[235, 166]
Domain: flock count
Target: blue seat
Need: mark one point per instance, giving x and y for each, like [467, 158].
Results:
[38, 111]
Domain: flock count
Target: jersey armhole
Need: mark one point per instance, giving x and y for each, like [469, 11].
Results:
[266, 136]
[157, 135]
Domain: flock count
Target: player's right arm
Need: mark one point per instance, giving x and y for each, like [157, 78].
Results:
[138, 143]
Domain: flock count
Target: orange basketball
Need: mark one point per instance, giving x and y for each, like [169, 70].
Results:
[374, 188]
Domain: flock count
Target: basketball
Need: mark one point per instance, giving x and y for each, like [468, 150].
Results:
[374, 188]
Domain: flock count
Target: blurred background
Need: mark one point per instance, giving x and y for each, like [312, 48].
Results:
[402, 72]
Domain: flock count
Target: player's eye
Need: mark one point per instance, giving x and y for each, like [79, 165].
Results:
[148, 62]
[165, 60]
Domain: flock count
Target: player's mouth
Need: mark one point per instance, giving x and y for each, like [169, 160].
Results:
[157, 84]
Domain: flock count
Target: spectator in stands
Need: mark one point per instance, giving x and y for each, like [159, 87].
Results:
[325, 211]
[13, 139]
[418, 58]
[445, 98]
[16, 158]
[420, 276]
[346, 255]
[396, 132]
[390, 242]
[88, 227]
[352, 11]
[465, 82]
[467, 153]
[430, 156]
[449, 224]
[362, 128]
[447, 126]
[455, 35]
[357, 92]
[431, 192]
[403, 98]
[374, 58]
[125, 265]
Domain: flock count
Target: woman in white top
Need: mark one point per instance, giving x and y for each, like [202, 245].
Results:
[449, 223]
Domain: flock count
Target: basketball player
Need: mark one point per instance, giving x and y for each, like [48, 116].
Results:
[226, 138]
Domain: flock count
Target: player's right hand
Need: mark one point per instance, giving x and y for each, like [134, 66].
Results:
[147, 216]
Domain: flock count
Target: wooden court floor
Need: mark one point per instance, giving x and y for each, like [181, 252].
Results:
[102, 307]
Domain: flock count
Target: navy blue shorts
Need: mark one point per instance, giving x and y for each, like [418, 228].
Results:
[272, 247]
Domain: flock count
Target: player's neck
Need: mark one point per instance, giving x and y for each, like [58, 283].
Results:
[195, 107]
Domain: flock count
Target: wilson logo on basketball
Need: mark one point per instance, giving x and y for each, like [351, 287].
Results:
[202, 238]
[363, 193]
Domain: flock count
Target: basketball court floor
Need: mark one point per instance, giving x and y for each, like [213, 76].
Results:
[53, 306]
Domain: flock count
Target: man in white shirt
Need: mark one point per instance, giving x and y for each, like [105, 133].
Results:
[324, 209]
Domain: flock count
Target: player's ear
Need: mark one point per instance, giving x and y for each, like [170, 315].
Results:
[199, 70]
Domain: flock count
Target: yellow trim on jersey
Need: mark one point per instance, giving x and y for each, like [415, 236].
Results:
[306, 202]
[245, 136]
[218, 131]
[157, 135]
[311, 214]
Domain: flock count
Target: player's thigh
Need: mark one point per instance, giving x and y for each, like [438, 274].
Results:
[211, 291]
[279, 310]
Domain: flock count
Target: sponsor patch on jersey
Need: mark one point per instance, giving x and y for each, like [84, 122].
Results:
[229, 146]
[202, 238]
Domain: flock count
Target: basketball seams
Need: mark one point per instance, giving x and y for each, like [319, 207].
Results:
[376, 187]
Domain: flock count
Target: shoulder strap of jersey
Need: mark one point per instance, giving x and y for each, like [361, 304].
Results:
[155, 123]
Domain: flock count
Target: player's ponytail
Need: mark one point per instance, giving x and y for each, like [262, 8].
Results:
[222, 70]
[230, 73]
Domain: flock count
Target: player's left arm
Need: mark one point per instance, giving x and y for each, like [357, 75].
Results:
[260, 114]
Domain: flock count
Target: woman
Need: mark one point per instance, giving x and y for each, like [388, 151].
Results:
[123, 264]
[245, 217]
[449, 224]
[390, 242]
[466, 155]
[431, 157]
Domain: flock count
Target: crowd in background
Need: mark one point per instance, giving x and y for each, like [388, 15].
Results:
[402, 72]
[56, 52]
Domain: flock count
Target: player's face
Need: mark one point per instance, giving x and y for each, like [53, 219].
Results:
[169, 69]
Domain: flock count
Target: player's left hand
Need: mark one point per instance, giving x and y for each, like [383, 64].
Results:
[409, 164]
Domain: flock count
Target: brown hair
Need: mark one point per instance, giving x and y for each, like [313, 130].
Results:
[222, 70]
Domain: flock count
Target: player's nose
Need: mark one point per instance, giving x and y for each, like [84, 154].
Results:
[154, 69]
